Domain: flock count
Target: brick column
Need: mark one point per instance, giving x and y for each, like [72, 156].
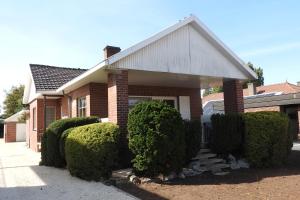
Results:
[117, 85]
[233, 97]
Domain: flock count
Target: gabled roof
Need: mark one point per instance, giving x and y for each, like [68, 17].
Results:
[223, 63]
[15, 117]
[47, 78]
[284, 88]
[200, 27]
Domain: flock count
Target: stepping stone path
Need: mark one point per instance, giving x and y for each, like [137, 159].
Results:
[207, 161]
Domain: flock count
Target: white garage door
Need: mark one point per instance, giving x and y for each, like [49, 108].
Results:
[21, 132]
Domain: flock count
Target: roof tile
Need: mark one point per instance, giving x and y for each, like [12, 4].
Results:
[47, 77]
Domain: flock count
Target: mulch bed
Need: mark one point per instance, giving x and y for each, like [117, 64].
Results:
[275, 183]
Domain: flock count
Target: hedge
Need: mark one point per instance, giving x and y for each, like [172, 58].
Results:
[50, 140]
[227, 133]
[193, 132]
[263, 138]
[92, 151]
[156, 138]
[267, 139]
[62, 142]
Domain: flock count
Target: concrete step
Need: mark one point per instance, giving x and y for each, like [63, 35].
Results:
[204, 156]
[202, 151]
[219, 166]
[212, 161]
[221, 173]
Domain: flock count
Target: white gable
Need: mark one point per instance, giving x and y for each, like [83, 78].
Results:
[184, 51]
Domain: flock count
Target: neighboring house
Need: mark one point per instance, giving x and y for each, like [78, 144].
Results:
[15, 128]
[282, 97]
[171, 66]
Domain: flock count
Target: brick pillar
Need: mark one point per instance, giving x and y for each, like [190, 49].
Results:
[118, 109]
[233, 97]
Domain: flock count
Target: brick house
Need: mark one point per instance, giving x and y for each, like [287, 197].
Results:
[280, 97]
[171, 66]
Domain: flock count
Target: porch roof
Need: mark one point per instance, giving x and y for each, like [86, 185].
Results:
[186, 49]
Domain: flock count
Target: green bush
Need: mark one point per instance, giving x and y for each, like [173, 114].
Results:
[193, 131]
[227, 133]
[267, 139]
[92, 150]
[50, 140]
[62, 142]
[156, 138]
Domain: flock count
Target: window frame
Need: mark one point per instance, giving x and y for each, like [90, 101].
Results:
[80, 107]
[54, 116]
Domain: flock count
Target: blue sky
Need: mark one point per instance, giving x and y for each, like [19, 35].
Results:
[73, 33]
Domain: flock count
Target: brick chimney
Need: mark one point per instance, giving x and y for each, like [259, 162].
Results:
[110, 50]
[251, 89]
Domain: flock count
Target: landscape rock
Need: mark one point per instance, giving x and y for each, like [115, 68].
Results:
[134, 179]
[170, 177]
[243, 163]
[181, 175]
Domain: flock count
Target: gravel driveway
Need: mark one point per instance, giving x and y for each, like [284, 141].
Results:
[22, 178]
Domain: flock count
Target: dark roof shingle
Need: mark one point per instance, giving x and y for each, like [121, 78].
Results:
[47, 77]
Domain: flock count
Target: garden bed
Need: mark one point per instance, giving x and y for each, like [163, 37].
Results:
[274, 183]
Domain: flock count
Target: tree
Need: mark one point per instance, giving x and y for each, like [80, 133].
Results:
[213, 90]
[257, 82]
[260, 76]
[13, 100]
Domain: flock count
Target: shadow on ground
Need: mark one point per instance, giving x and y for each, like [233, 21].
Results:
[235, 177]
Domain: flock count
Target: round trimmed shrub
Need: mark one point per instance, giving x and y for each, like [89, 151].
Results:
[91, 151]
[267, 139]
[50, 152]
[62, 142]
[156, 138]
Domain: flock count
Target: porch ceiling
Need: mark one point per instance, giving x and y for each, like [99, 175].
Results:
[137, 77]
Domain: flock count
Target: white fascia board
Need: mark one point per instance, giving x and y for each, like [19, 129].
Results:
[82, 76]
[224, 47]
[27, 90]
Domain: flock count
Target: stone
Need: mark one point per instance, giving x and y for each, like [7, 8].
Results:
[181, 175]
[231, 158]
[190, 172]
[204, 156]
[134, 179]
[204, 151]
[170, 177]
[243, 163]
[221, 173]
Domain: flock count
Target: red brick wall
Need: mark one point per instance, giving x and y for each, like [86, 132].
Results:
[193, 93]
[64, 101]
[83, 91]
[10, 131]
[35, 135]
[96, 99]
[233, 97]
[118, 98]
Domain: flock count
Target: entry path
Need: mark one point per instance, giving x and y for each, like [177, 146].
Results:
[21, 178]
